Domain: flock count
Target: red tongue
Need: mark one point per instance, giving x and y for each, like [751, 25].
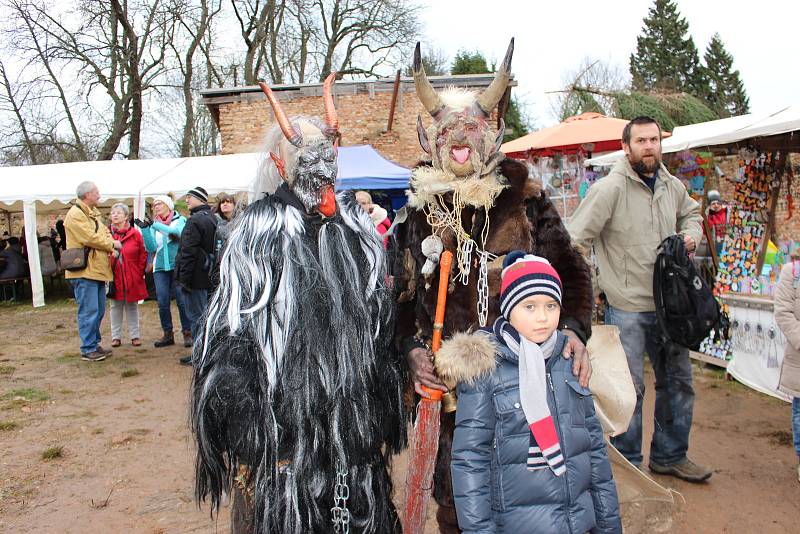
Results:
[460, 154]
[327, 205]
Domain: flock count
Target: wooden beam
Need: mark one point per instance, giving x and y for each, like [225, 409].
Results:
[395, 92]
[774, 193]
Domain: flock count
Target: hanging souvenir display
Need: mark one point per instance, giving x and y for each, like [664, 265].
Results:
[738, 260]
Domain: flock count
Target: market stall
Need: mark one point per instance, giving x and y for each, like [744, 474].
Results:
[752, 160]
[555, 155]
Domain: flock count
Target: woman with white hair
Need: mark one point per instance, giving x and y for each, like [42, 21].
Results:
[128, 269]
[787, 317]
[162, 236]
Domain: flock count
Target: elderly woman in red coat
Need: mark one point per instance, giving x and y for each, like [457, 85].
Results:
[128, 269]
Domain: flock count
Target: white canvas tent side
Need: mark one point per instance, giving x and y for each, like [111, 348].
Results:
[719, 132]
[47, 187]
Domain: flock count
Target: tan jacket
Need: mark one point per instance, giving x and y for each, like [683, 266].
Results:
[787, 317]
[82, 232]
[625, 223]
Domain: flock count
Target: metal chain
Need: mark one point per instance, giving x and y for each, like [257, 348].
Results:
[483, 287]
[341, 492]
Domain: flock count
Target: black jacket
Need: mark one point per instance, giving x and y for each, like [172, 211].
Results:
[195, 258]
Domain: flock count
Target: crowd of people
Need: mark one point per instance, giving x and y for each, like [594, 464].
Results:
[180, 253]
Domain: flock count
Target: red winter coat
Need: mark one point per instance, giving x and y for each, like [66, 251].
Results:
[129, 272]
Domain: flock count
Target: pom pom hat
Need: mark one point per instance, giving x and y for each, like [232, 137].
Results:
[525, 275]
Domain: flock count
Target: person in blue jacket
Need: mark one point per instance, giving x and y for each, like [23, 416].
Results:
[528, 451]
[162, 236]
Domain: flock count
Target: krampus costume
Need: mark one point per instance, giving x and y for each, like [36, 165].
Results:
[296, 404]
[472, 201]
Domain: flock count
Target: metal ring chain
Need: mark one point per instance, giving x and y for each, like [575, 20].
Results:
[483, 287]
[341, 492]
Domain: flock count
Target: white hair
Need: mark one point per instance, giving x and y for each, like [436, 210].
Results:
[121, 206]
[84, 188]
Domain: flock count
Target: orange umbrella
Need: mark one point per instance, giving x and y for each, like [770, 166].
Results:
[589, 131]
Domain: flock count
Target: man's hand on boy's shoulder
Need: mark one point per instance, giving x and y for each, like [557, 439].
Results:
[575, 349]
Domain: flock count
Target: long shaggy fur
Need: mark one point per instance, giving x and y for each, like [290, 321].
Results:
[466, 357]
[295, 371]
[427, 183]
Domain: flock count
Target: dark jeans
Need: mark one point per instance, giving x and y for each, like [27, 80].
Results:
[639, 332]
[166, 290]
[195, 302]
[796, 424]
[91, 298]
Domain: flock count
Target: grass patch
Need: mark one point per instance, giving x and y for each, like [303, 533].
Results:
[51, 453]
[8, 425]
[7, 370]
[127, 373]
[26, 395]
[69, 357]
[781, 438]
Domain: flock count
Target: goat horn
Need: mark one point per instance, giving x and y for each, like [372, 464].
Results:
[288, 130]
[425, 92]
[488, 100]
[331, 119]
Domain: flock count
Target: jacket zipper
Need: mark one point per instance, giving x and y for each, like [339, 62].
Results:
[561, 443]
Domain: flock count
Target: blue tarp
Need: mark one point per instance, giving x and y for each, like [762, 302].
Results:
[362, 167]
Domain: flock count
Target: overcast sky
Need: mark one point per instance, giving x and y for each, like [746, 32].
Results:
[552, 38]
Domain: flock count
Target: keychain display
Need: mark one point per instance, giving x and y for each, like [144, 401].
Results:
[738, 259]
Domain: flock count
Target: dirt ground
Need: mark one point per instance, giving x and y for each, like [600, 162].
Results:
[105, 447]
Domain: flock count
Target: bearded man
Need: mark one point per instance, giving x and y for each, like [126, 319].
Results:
[296, 404]
[625, 216]
[471, 200]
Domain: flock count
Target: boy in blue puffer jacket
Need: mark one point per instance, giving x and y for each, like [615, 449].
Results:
[528, 451]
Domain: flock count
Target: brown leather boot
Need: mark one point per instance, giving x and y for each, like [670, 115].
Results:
[167, 340]
[187, 338]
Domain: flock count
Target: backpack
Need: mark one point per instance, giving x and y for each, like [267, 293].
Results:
[685, 307]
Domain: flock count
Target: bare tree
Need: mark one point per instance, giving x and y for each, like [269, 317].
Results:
[116, 51]
[359, 36]
[589, 88]
[194, 19]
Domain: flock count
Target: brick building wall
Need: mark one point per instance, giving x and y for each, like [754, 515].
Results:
[243, 114]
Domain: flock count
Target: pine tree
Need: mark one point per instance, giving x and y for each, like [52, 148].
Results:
[727, 96]
[469, 63]
[666, 58]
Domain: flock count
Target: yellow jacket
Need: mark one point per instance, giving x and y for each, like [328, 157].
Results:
[85, 229]
[625, 222]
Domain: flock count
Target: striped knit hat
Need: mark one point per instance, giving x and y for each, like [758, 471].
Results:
[198, 193]
[525, 275]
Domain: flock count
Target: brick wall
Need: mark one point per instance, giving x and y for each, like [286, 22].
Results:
[363, 119]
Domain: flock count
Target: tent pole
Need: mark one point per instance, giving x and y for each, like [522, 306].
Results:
[35, 266]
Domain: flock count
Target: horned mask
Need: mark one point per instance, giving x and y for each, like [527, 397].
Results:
[460, 140]
[305, 156]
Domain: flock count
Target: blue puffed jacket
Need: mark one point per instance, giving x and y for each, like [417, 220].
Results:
[163, 240]
[493, 489]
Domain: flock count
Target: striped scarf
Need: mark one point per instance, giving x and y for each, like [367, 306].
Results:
[544, 450]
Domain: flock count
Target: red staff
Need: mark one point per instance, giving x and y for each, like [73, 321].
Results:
[425, 439]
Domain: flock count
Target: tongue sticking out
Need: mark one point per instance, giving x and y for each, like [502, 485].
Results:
[327, 205]
[461, 155]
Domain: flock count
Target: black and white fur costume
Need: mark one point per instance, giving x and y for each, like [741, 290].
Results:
[295, 378]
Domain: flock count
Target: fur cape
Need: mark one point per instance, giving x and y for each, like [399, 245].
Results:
[522, 218]
[295, 378]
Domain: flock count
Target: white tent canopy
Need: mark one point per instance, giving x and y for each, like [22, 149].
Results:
[720, 132]
[50, 187]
